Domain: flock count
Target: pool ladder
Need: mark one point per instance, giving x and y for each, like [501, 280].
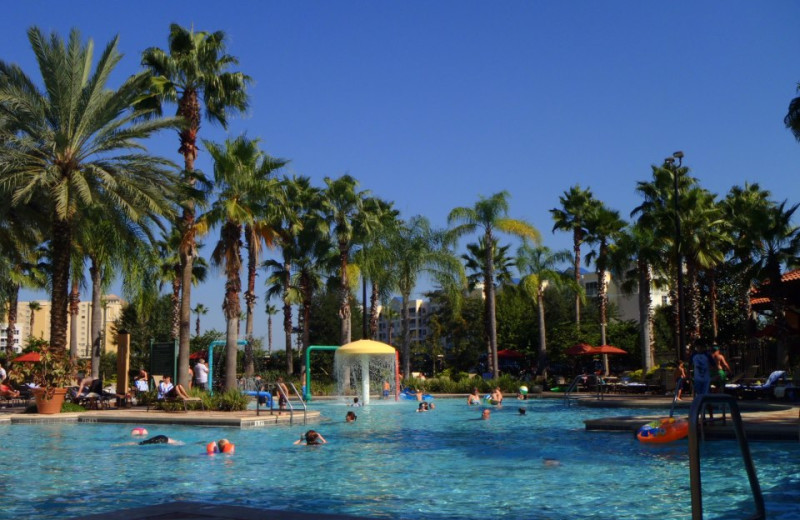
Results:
[699, 405]
[281, 393]
[574, 385]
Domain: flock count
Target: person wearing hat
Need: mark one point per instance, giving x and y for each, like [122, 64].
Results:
[721, 366]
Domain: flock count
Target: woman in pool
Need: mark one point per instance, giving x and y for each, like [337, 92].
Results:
[350, 417]
[311, 438]
[474, 397]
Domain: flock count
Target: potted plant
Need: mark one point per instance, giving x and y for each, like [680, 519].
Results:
[49, 377]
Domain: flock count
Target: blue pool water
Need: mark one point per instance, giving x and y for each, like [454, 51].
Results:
[393, 463]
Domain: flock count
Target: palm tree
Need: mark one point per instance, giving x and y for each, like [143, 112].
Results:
[33, 306]
[294, 199]
[195, 69]
[271, 311]
[343, 207]
[604, 226]
[490, 215]
[539, 268]
[199, 310]
[255, 233]
[417, 248]
[74, 145]
[792, 119]
[169, 269]
[241, 173]
[576, 206]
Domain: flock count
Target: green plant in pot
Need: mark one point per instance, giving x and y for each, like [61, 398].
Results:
[50, 376]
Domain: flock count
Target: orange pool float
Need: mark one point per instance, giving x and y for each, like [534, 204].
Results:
[663, 430]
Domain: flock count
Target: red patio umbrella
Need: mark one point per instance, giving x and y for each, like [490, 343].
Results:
[607, 349]
[198, 355]
[580, 349]
[510, 353]
[30, 357]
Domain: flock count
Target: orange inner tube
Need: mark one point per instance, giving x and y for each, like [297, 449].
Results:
[663, 430]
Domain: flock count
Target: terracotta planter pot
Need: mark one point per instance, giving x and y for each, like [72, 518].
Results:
[49, 406]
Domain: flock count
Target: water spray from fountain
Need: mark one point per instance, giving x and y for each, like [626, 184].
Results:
[362, 367]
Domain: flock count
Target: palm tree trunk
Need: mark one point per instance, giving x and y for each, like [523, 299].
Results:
[175, 298]
[189, 109]
[74, 309]
[97, 317]
[713, 301]
[373, 312]
[542, 361]
[13, 302]
[60, 243]
[344, 298]
[250, 301]
[576, 246]
[694, 302]
[287, 317]
[490, 298]
[269, 333]
[602, 286]
[645, 315]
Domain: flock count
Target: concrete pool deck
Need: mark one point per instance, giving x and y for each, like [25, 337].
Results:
[140, 415]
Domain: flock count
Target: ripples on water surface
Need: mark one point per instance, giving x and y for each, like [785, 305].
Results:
[394, 463]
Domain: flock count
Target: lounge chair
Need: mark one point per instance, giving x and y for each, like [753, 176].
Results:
[176, 399]
[767, 389]
[96, 397]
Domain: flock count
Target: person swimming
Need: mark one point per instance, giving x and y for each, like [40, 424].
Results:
[159, 439]
[311, 438]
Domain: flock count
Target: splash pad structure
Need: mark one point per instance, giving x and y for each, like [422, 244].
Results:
[361, 367]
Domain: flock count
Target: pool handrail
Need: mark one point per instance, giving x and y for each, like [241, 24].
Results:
[678, 387]
[300, 397]
[697, 411]
[598, 382]
[572, 386]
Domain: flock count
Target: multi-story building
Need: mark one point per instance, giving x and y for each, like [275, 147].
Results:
[390, 321]
[4, 338]
[39, 326]
[627, 304]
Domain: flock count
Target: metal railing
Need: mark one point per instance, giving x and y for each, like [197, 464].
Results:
[578, 379]
[678, 387]
[699, 405]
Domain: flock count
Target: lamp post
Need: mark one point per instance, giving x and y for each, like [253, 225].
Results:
[678, 254]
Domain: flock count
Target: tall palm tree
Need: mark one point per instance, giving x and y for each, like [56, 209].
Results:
[33, 306]
[294, 199]
[255, 233]
[241, 174]
[490, 215]
[76, 144]
[343, 207]
[539, 268]
[604, 226]
[170, 272]
[194, 73]
[199, 310]
[576, 206]
[657, 212]
[271, 311]
[417, 248]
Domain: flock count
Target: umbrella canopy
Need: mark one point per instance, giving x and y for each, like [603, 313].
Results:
[198, 355]
[607, 349]
[506, 353]
[30, 357]
[580, 349]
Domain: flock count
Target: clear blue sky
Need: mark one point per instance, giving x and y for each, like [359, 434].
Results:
[431, 104]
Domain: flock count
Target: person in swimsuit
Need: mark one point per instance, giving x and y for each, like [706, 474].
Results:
[350, 417]
[386, 388]
[474, 397]
[311, 438]
[160, 439]
[722, 368]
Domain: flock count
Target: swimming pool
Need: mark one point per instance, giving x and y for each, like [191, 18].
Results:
[393, 463]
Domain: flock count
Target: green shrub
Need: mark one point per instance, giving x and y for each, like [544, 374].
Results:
[230, 401]
[71, 407]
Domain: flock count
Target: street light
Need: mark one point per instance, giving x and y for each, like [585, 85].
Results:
[678, 255]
